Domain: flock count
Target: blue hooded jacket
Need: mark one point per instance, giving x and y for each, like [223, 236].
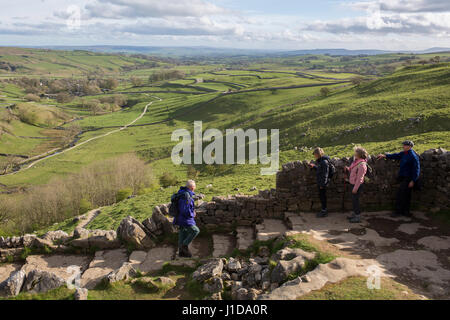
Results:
[409, 164]
[186, 207]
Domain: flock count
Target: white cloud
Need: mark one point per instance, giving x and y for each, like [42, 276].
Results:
[117, 9]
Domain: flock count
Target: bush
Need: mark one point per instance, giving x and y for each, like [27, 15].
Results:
[123, 194]
[192, 173]
[63, 97]
[167, 180]
[85, 206]
[32, 97]
[98, 184]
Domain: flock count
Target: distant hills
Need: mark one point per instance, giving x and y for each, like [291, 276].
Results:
[228, 52]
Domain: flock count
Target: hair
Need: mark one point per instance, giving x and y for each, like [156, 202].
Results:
[361, 152]
[318, 151]
[190, 183]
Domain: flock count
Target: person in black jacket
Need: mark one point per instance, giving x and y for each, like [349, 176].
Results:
[322, 167]
[408, 176]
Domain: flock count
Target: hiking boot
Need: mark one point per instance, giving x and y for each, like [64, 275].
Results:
[356, 219]
[181, 253]
[322, 214]
[187, 253]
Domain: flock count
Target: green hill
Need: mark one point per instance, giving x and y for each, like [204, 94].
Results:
[412, 102]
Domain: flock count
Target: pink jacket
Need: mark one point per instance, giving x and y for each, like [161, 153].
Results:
[358, 171]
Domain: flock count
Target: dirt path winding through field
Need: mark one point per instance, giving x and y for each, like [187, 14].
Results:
[58, 152]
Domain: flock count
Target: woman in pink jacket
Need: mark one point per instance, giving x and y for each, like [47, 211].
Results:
[357, 170]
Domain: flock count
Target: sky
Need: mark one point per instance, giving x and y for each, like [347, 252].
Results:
[248, 24]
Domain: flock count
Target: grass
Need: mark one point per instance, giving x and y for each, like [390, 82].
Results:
[355, 288]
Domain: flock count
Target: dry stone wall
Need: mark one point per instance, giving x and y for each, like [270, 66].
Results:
[296, 190]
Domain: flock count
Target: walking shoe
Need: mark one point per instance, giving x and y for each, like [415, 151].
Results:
[322, 214]
[187, 253]
[349, 217]
[355, 219]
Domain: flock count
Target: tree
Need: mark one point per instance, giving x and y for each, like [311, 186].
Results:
[8, 163]
[32, 97]
[136, 82]
[325, 91]
[357, 80]
[63, 97]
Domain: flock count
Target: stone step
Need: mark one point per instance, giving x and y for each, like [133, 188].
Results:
[223, 245]
[103, 263]
[153, 259]
[63, 266]
[245, 236]
[270, 229]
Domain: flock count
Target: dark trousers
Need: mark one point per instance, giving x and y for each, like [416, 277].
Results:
[323, 197]
[355, 199]
[404, 196]
[187, 234]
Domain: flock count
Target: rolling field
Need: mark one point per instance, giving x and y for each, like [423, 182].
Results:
[412, 102]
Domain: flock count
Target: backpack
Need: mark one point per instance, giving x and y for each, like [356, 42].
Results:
[173, 207]
[369, 173]
[332, 170]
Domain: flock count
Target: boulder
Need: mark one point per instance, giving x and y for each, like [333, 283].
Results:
[134, 233]
[284, 268]
[233, 265]
[57, 235]
[42, 281]
[165, 281]
[213, 285]
[81, 294]
[13, 285]
[80, 233]
[291, 253]
[209, 270]
[125, 272]
[104, 239]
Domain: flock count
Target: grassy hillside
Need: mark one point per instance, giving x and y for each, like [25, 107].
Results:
[412, 102]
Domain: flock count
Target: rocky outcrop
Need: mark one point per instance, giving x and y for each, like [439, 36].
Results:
[96, 240]
[135, 234]
[42, 281]
[209, 270]
[125, 272]
[81, 294]
[13, 285]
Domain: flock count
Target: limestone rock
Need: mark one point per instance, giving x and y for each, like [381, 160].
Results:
[284, 268]
[81, 294]
[80, 233]
[233, 265]
[213, 285]
[13, 285]
[57, 235]
[165, 281]
[42, 281]
[133, 232]
[209, 270]
[125, 272]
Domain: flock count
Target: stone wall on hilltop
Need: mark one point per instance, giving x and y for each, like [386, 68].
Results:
[296, 190]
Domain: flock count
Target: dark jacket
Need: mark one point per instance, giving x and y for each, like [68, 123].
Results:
[186, 208]
[323, 171]
[409, 164]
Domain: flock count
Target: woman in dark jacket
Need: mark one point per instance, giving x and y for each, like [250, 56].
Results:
[322, 167]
